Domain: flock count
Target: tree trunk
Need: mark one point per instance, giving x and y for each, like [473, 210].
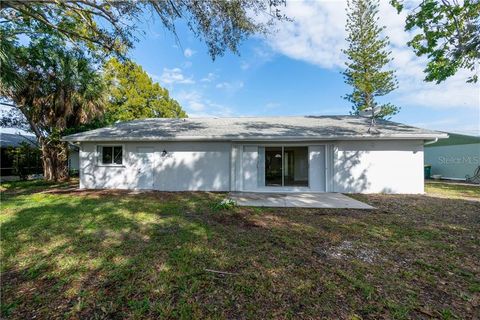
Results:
[54, 159]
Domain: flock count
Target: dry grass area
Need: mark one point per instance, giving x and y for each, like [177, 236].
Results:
[114, 255]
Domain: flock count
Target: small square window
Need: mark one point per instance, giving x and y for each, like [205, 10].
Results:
[111, 154]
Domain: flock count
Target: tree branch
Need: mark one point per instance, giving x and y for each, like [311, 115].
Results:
[43, 19]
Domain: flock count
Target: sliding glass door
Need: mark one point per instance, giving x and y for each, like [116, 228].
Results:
[273, 166]
[295, 168]
[286, 166]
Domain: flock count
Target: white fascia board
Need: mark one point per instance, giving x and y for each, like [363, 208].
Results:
[260, 138]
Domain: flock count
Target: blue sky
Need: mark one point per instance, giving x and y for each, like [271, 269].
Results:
[296, 71]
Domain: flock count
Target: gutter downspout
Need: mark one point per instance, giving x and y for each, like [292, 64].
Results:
[430, 142]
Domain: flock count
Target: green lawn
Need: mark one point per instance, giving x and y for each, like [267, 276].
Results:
[113, 254]
[451, 190]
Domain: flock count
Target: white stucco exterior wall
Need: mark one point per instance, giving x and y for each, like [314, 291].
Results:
[250, 167]
[202, 166]
[378, 166]
[316, 159]
[334, 166]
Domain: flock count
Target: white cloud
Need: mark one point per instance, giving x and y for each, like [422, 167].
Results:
[451, 125]
[188, 53]
[171, 76]
[272, 105]
[262, 54]
[244, 65]
[197, 105]
[222, 85]
[317, 36]
[259, 56]
[209, 77]
[230, 86]
[435, 123]
[192, 100]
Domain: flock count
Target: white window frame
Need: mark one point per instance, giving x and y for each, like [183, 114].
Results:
[99, 154]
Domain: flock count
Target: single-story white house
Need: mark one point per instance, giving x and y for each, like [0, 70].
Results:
[255, 154]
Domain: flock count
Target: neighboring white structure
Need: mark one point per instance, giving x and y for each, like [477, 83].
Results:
[455, 157]
[73, 158]
[308, 154]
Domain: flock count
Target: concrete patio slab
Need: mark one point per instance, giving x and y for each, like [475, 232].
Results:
[297, 200]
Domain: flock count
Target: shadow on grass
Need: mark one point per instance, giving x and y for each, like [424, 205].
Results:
[100, 246]
[103, 254]
[35, 186]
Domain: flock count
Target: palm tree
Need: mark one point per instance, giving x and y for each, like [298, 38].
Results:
[8, 76]
[57, 89]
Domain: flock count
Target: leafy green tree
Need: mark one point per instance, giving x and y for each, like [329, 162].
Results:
[113, 25]
[48, 75]
[57, 88]
[134, 95]
[367, 55]
[448, 33]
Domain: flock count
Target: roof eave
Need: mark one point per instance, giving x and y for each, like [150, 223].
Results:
[261, 138]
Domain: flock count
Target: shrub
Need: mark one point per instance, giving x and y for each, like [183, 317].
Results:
[225, 204]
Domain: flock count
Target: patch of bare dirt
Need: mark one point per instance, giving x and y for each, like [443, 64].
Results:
[347, 250]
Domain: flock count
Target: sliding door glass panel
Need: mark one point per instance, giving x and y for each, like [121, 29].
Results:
[273, 166]
[295, 170]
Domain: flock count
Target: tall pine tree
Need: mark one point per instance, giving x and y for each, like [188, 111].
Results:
[368, 55]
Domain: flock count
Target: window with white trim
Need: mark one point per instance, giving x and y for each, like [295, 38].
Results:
[110, 155]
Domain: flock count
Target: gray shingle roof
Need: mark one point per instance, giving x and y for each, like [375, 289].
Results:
[14, 140]
[254, 128]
